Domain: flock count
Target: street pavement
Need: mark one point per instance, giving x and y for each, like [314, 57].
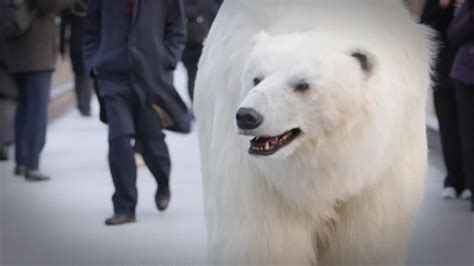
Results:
[60, 222]
[444, 230]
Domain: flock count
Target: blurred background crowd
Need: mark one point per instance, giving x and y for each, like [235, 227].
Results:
[126, 51]
[112, 48]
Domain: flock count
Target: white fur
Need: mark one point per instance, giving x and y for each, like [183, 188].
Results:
[345, 191]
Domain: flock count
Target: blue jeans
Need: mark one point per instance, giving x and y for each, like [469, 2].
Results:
[31, 117]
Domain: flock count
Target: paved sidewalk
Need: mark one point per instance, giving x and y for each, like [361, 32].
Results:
[444, 229]
[61, 222]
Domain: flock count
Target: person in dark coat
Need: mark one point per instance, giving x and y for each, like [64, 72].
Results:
[461, 33]
[71, 31]
[439, 15]
[131, 46]
[30, 58]
[199, 17]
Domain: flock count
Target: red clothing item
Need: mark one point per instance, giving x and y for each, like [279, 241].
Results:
[130, 8]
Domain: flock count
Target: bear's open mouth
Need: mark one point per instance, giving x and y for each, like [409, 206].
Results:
[269, 145]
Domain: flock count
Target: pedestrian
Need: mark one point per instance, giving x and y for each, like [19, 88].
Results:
[131, 46]
[8, 94]
[461, 33]
[199, 17]
[30, 58]
[439, 14]
[71, 31]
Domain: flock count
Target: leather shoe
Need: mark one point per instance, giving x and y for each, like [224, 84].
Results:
[20, 170]
[119, 219]
[162, 197]
[35, 176]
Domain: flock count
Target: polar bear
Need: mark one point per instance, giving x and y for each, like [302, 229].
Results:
[311, 120]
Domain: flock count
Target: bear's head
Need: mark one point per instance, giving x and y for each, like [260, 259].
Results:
[301, 87]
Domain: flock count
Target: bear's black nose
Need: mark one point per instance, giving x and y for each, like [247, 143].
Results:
[248, 118]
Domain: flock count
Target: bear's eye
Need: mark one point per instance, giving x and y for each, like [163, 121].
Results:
[257, 81]
[303, 86]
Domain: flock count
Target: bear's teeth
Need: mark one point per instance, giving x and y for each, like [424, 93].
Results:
[267, 146]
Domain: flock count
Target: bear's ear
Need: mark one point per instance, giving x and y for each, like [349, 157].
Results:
[365, 59]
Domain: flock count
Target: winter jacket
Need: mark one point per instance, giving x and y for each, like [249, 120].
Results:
[461, 33]
[144, 46]
[35, 50]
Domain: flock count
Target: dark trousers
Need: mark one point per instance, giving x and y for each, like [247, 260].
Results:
[83, 82]
[455, 111]
[190, 60]
[8, 95]
[83, 89]
[129, 117]
[31, 117]
[7, 118]
[465, 99]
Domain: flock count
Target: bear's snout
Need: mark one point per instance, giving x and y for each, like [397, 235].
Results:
[248, 118]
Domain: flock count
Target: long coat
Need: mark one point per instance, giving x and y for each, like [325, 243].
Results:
[75, 23]
[145, 49]
[461, 32]
[35, 50]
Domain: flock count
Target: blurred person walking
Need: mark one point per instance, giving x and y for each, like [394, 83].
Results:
[71, 32]
[8, 94]
[461, 33]
[30, 58]
[439, 14]
[131, 46]
[199, 17]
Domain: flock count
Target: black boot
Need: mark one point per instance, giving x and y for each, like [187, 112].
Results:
[162, 197]
[118, 219]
